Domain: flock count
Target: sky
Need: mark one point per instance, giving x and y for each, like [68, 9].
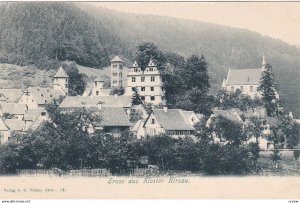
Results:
[279, 20]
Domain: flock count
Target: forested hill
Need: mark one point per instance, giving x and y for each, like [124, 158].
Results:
[44, 33]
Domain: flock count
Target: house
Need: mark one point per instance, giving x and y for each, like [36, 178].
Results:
[13, 125]
[246, 80]
[37, 97]
[232, 114]
[11, 95]
[15, 110]
[4, 132]
[70, 103]
[98, 87]
[117, 66]
[61, 81]
[138, 129]
[114, 120]
[33, 118]
[148, 83]
[174, 122]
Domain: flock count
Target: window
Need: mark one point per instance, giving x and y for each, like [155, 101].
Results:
[66, 80]
[133, 79]
[135, 70]
[42, 95]
[151, 69]
[142, 89]
[152, 98]
[142, 79]
[121, 66]
[115, 82]
[143, 98]
[232, 88]
[66, 85]
[193, 119]
[97, 92]
[132, 88]
[152, 88]
[251, 88]
[153, 121]
[115, 74]
[114, 66]
[241, 88]
[152, 78]
[120, 74]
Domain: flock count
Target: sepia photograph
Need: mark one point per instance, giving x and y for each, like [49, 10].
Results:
[167, 99]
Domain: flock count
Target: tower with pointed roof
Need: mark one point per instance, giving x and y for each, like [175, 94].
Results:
[116, 76]
[61, 81]
[148, 83]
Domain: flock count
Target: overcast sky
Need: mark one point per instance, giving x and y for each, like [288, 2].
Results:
[275, 19]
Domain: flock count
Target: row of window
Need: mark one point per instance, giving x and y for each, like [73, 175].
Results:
[116, 74]
[115, 82]
[242, 88]
[152, 79]
[148, 69]
[56, 79]
[152, 98]
[116, 66]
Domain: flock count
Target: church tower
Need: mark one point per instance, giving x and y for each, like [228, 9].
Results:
[61, 81]
[263, 64]
[116, 76]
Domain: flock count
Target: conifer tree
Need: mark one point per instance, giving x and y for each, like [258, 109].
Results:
[136, 98]
[268, 90]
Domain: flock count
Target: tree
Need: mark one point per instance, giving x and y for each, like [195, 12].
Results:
[136, 98]
[147, 51]
[268, 89]
[117, 91]
[77, 82]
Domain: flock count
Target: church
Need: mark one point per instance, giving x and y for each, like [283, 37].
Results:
[246, 80]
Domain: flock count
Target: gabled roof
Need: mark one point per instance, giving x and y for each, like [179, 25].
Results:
[44, 95]
[137, 125]
[116, 59]
[3, 127]
[33, 114]
[243, 77]
[14, 124]
[172, 119]
[12, 95]
[61, 73]
[13, 108]
[108, 101]
[233, 115]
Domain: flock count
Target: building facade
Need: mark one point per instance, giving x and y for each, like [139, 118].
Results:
[98, 85]
[61, 81]
[148, 83]
[117, 65]
[246, 80]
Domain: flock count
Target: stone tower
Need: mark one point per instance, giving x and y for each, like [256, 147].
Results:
[116, 76]
[61, 81]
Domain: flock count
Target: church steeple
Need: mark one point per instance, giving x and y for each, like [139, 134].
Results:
[263, 64]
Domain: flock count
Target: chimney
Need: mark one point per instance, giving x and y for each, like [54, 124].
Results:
[165, 108]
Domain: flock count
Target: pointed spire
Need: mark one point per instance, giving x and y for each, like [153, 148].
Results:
[151, 63]
[61, 73]
[135, 64]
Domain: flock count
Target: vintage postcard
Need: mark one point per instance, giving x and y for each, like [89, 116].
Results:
[149, 100]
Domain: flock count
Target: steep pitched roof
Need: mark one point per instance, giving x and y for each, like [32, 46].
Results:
[243, 77]
[61, 73]
[116, 59]
[14, 124]
[44, 95]
[108, 101]
[137, 125]
[12, 95]
[172, 119]
[33, 114]
[13, 108]
[3, 127]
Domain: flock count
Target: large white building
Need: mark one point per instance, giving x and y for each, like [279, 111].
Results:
[117, 66]
[148, 83]
[247, 80]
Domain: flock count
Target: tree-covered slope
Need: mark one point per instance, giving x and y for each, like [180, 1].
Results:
[44, 33]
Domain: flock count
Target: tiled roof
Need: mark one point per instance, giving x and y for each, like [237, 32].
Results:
[108, 101]
[11, 95]
[3, 127]
[114, 116]
[137, 125]
[61, 73]
[44, 95]
[233, 115]
[117, 59]
[271, 121]
[13, 108]
[33, 114]
[243, 76]
[15, 124]
[172, 119]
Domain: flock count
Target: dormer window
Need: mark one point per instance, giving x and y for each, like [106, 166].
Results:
[251, 88]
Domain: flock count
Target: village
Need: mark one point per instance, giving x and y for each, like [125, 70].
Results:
[24, 110]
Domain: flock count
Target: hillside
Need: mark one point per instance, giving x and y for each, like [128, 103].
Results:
[44, 33]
